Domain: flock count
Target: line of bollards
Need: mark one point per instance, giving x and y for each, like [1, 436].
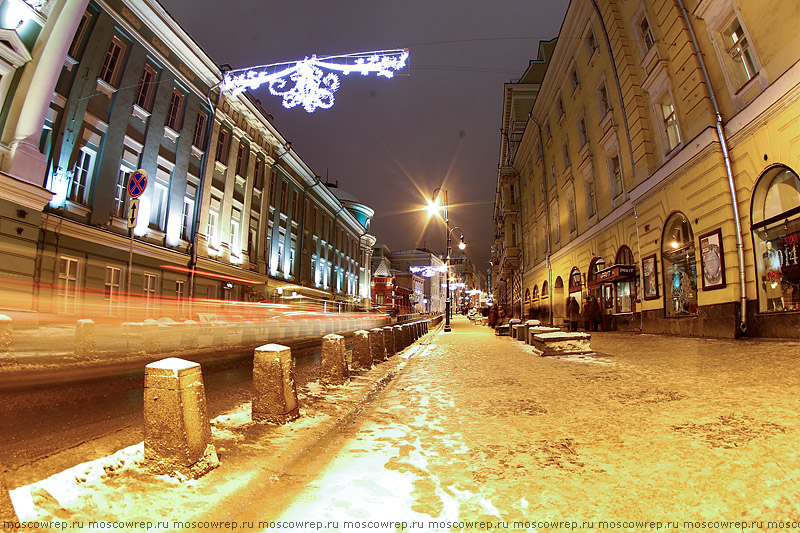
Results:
[177, 429]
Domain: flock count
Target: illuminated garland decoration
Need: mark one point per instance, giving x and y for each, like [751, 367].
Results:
[306, 83]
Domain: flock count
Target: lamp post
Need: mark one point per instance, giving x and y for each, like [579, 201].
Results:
[433, 207]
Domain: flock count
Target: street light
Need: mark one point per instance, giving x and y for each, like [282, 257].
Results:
[433, 208]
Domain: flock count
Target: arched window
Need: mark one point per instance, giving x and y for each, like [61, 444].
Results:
[627, 286]
[535, 292]
[624, 256]
[775, 216]
[545, 290]
[680, 272]
[527, 295]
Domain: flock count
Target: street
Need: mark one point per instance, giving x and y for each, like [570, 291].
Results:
[474, 433]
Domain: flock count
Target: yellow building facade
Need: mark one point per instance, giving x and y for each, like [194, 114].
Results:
[655, 179]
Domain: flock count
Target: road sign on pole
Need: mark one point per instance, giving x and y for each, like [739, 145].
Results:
[137, 183]
[133, 212]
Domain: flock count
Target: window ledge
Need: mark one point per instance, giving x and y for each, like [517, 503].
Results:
[105, 88]
[70, 62]
[197, 152]
[171, 134]
[219, 165]
[140, 113]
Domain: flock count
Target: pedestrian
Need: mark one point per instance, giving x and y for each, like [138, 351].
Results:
[574, 309]
[597, 314]
[493, 316]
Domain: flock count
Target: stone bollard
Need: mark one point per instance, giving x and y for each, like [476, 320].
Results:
[190, 333]
[150, 341]
[85, 340]
[408, 334]
[6, 342]
[398, 338]
[177, 433]
[274, 391]
[333, 365]
[520, 332]
[6, 331]
[7, 513]
[362, 354]
[425, 326]
[388, 340]
[418, 329]
[376, 346]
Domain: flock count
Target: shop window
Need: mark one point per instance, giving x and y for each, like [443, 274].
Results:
[776, 235]
[627, 289]
[680, 271]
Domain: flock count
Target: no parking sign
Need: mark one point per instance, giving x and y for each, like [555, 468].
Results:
[137, 184]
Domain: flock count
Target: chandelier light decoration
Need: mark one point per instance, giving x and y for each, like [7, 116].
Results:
[312, 81]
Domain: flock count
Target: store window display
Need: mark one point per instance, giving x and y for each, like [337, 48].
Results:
[680, 267]
[776, 227]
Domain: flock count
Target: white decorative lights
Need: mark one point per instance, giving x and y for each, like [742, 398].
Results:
[306, 83]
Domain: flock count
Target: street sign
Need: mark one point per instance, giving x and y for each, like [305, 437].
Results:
[137, 184]
[133, 212]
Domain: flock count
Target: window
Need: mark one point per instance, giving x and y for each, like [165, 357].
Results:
[158, 206]
[547, 133]
[273, 184]
[121, 190]
[213, 224]
[560, 104]
[68, 284]
[591, 202]
[199, 137]
[236, 217]
[79, 33]
[680, 273]
[241, 159]
[144, 92]
[222, 147]
[187, 217]
[175, 109]
[669, 124]
[296, 206]
[776, 238]
[626, 289]
[573, 215]
[150, 290]
[590, 42]
[616, 176]
[82, 175]
[555, 223]
[603, 104]
[583, 135]
[180, 296]
[565, 153]
[258, 174]
[252, 241]
[112, 289]
[112, 62]
[284, 195]
[574, 80]
[645, 33]
[739, 52]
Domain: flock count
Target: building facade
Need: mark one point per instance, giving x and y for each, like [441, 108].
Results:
[229, 212]
[656, 171]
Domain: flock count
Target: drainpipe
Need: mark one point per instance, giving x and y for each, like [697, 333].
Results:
[731, 184]
[548, 264]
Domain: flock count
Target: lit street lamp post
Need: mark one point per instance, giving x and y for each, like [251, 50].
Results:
[432, 208]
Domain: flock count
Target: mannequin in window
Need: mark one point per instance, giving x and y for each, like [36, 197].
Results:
[771, 280]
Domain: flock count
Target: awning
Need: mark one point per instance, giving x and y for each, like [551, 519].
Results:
[612, 274]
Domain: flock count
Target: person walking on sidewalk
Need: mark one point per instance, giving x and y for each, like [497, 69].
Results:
[493, 316]
[574, 312]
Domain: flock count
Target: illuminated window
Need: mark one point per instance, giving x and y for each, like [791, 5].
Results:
[112, 62]
[235, 232]
[68, 268]
[211, 230]
[144, 93]
[112, 289]
[150, 291]
[187, 217]
[680, 271]
[175, 109]
[82, 175]
[121, 190]
[158, 206]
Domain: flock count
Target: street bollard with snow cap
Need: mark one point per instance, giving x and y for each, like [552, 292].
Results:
[274, 390]
[376, 346]
[388, 340]
[362, 354]
[333, 365]
[398, 338]
[85, 340]
[177, 432]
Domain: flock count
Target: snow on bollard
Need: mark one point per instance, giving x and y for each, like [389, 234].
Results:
[376, 346]
[520, 331]
[362, 355]
[190, 333]
[85, 340]
[274, 390]
[6, 342]
[388, 340]
[177, 433]
[398, 338]
[7, 513]
[333, 365]
[150, 341]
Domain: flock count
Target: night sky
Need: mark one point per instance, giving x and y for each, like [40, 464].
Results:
[392, 142]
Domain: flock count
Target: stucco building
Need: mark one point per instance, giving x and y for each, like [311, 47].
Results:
[656, 170]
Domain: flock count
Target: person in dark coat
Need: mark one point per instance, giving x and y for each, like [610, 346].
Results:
[574, 313]
[493, 316]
